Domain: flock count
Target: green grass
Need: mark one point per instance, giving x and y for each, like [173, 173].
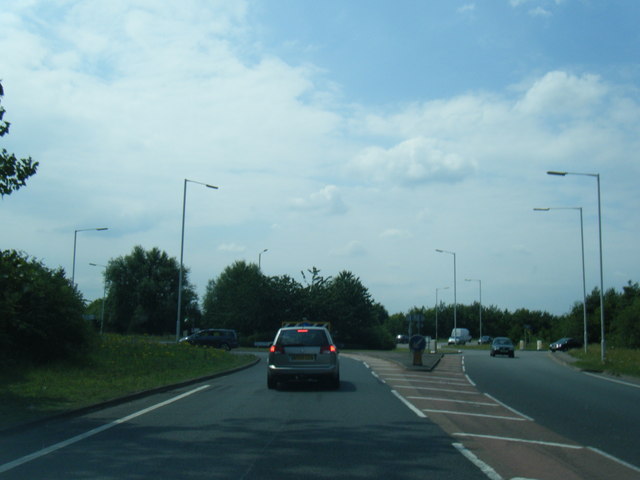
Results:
[120, 365]
[618, 361]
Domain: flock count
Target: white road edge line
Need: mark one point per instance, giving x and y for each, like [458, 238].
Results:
[622, 382]
[509, 408]
[520, 440]
[65, 443]
[461, 392]
[409, 405]
[615, 459]
[449, 400]
[469, 414]
[484, 468]
[469, 380]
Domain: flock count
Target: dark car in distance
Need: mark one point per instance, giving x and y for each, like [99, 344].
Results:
[502, 346]
[564, 344]
[223, 338]
[485, 340]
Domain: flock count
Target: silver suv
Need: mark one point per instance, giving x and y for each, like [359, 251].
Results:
[300, 353]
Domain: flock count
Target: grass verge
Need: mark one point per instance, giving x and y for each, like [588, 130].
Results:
[120, 365]
[618, 361]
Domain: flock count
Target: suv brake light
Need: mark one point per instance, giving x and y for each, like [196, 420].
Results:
[328, 349]
[276, 349]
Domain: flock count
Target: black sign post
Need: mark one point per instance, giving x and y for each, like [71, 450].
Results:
[417, 344]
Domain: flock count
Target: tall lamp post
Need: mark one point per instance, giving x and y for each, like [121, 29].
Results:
[104, 296]
[260, 258]
[480, 309]
[584, 283]
[184, 206]
[597, 177]
[455, 301]
[75, 241]
[441, 288]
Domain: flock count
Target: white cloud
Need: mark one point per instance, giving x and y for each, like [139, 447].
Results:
[469, 7]
[352, 249]
[396, 233]
[560, 93]
[327, 200]
[232, 247]
[539, 12]
[414, 161]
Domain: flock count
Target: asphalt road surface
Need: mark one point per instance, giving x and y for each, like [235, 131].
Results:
[588, 409]
[525, 417]
[233, 427]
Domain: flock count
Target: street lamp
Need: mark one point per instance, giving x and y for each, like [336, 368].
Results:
[455, 301]
[75, 238]
[260, 258]
[184, 206]
[597, 177]
[480, 310]
[104, 296]
[441, 288]
[584, 283]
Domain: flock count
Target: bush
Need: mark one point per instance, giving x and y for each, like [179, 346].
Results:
[40, 312]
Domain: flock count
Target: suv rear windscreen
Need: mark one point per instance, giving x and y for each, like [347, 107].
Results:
[302, 337]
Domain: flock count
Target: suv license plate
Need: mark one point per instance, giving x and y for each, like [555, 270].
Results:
[302, 357]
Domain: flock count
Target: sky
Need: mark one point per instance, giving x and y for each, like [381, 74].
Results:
[358, 135]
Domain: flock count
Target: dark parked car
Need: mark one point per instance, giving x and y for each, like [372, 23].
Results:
[485, 340]
[303, 353]
[214, 337]
[502, 346]
[565, 344]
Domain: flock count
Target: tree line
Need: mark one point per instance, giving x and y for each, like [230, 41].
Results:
[43, 316]
[142, 298]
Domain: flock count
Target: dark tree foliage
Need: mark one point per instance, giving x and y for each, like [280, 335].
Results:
[237, 299]
[143, 293]
[40, 312]
[13, 172]
[244, 299]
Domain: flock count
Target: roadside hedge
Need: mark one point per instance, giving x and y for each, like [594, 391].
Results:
[40, 312]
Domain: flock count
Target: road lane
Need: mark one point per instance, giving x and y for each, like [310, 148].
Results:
[510, 441]
[237, 428]
[588, 410]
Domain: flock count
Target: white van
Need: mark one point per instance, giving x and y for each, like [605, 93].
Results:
[459, 336]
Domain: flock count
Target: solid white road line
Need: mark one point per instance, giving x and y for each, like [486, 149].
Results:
[409, 405]
[421, 378]
[509, 408]
[520, 440]
[65, 443]
[486, 469]
[437, 389]
[622, 382]
[439, 399]
[469, 414]
[615, 459]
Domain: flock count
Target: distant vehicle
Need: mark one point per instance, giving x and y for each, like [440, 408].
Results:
[223, 338]
[565, 344]
[455, 341]
[303, 353]
[402, 339]
[502, 346]
[485, 340]
[463, 333]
